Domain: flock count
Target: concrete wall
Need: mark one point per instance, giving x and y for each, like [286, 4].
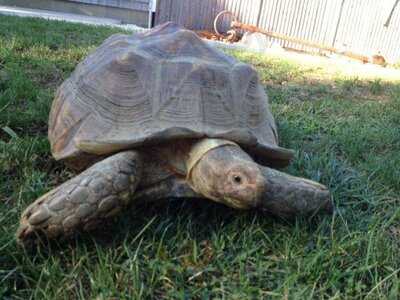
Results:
[142, 5]
[114, 9]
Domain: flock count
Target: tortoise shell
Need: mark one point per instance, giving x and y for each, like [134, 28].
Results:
[157, 86]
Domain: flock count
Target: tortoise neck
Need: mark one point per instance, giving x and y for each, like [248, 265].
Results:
[200, 148]
[181, 156]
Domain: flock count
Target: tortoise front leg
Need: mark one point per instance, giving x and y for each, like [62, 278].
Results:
[82, 202]
[288, 196]
[172, 187]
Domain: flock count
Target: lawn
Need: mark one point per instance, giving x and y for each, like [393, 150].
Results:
[346, 133]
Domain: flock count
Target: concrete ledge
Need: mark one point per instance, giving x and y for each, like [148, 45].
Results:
[73, 18]
[142, 5]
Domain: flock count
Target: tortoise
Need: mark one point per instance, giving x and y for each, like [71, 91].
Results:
[163, 115]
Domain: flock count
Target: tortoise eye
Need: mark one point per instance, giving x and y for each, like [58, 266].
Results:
[237, 179]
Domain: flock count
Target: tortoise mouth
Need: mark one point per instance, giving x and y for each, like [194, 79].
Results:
[234, 203]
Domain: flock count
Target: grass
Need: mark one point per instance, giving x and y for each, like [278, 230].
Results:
[346, 131]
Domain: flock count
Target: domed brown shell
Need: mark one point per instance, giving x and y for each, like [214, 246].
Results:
[153, 87]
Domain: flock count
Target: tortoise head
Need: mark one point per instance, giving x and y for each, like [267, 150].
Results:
[222, 171]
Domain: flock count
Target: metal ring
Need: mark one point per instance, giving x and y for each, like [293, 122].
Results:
[224, 12]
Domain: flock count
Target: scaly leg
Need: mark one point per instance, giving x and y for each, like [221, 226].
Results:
[288, 196]
[82, 202]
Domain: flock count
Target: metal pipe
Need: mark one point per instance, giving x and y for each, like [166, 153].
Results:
[391, 14]
[251, 28]
[152, 10]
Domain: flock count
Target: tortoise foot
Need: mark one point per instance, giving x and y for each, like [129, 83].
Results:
[82, 202]
[290, 196]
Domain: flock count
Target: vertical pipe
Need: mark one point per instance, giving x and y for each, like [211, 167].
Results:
[338, 23]
[259, 12]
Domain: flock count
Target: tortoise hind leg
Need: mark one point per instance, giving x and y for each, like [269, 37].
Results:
[82, 202]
